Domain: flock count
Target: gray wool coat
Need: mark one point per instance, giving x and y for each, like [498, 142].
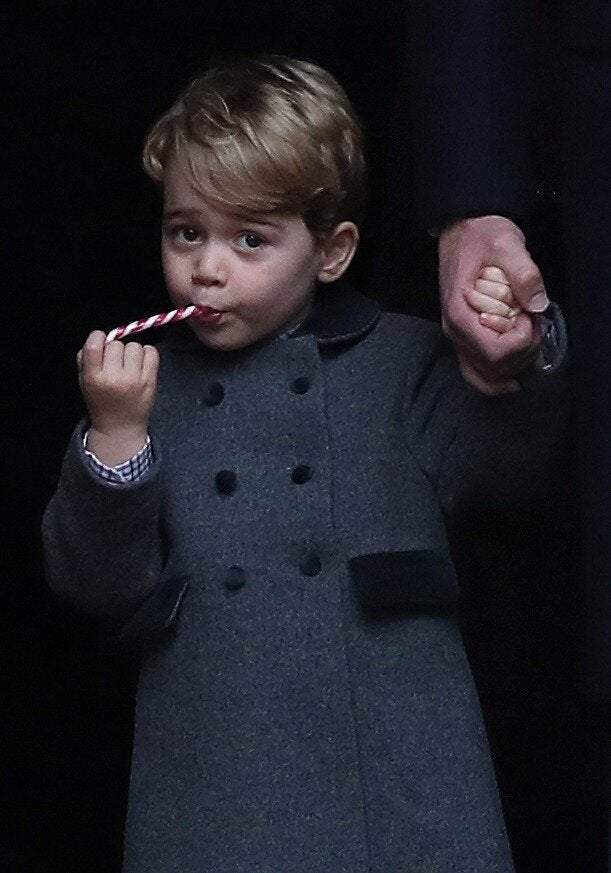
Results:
[304, 701]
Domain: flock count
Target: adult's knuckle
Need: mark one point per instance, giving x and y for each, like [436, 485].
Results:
[528, 276]
[504, 241]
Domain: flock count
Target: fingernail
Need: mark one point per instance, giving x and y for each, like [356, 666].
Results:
[539, 303]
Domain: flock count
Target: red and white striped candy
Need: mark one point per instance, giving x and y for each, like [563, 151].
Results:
[153, 321]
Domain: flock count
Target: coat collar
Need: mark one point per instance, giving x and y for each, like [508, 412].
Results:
[340, 314]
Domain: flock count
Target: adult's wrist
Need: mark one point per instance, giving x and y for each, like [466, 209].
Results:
[474, 220]
[452, 222]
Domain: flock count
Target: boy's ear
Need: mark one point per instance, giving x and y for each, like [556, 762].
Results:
[338, 249]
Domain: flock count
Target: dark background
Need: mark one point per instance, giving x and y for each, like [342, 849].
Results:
[82, 241]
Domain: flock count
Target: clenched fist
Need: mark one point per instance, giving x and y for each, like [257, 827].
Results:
[118, 383]
[490, 359]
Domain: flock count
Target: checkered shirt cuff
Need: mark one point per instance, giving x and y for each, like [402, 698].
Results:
[123, 473]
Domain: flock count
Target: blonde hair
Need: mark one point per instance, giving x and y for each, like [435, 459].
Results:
[268, 134]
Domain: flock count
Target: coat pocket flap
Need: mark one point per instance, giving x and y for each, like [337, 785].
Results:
[418, 577]
[157, 612]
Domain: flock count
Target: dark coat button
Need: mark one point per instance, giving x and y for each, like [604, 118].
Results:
[310, 564]
[301, 474]
[226, 481]
[300, 385]
[214, 394]
[235, 578]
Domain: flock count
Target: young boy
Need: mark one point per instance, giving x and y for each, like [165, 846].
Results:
[267, 519]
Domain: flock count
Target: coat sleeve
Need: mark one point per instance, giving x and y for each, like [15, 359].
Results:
[102, 543]
[468, 443]
[467, 99]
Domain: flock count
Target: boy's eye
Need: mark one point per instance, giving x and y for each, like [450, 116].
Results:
[180, 234]
[250, 241]
[189, 234]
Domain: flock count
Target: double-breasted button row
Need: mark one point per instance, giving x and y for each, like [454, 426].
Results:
[309, 564]
[215, 392]
[226, 481]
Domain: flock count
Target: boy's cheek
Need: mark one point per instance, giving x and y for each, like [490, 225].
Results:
[174, 270]
[177, 282]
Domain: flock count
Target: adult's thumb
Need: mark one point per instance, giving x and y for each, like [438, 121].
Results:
[527, 284]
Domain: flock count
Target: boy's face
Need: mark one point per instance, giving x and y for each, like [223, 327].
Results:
[255, 275]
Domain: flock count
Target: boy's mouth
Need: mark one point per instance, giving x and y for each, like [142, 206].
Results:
[207, 315]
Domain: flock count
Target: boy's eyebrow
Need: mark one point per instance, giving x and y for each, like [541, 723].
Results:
[248, 219]
[235, 216]
[179, 213]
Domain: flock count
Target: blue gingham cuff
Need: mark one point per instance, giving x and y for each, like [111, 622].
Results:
[128, 471]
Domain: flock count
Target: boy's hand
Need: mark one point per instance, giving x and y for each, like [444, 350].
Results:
[119, 384]
[491, 296]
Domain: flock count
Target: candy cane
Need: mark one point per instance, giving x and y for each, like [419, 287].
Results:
[153, 321]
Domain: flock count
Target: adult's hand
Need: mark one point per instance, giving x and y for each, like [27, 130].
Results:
[490, 361]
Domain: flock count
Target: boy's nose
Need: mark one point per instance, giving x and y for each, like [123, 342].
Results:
[209, 268]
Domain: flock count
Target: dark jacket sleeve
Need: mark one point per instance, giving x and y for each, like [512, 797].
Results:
[466, 101]
[468, 443]
[102, 543]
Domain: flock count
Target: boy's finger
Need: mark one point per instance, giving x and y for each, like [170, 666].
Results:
[485, 303]
[133, 355]
[92, 353]
[498, 290]
[494, 274]
[113, 355]
[497, 322]
[150, 361]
